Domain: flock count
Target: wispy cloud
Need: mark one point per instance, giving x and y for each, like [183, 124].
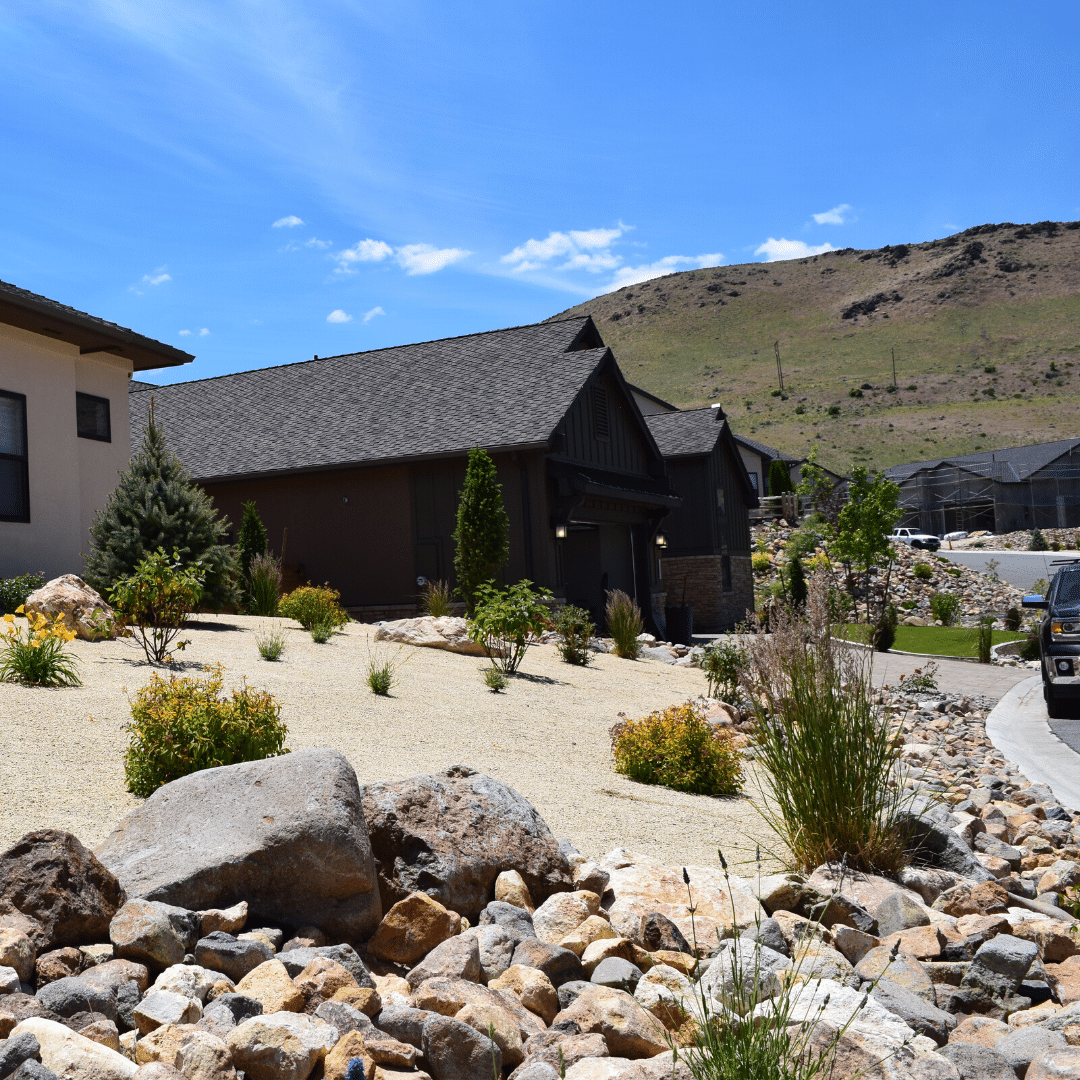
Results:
[185, 333]
[584, 249]
[204, 332]
[369, 315]
[289, 222]
[631, 275]
[838, 215]
[778, 250]
[339, 316]
[158, 277]
[412, 258]
[315, 242]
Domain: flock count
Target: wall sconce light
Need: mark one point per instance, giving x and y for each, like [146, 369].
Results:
[661, 540]
[560, 532]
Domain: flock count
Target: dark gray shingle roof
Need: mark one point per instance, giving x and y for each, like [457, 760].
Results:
[761, 448]
[40, 315]
[1009, 466]
[498, 389]
[694, 431]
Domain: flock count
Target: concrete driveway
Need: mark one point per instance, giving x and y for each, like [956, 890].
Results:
[1019, 568]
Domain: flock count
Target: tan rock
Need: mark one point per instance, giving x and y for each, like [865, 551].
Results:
[532, 988]
[1055, 940]
[854, 944]
[867, 889]
[680, 961]
[196, 1053]
[1064, 980]
[230, 920]
[442, 632]
[500, 1025]
[411, 929]
[50, 966]
[390, 1052]
[281, 1046]
[560, 914]
[988, 898]
[163, 1007]
[1060, 1064]
[321, 980]
[349, 1046]
[510, 888]
[904, 970]
[7, 1023]
[602, 949]
[922, 942]
[18, 952]
[71, 1056]
[104, 1032]
[271, 985]
[813, 959]
[391, 986]
[640, 885]
[667, 994]
[981, 1030]
[83, 609]
[449, 996]
[1036, 1015]
[362, 998]
[628, 1029]
[592, 929]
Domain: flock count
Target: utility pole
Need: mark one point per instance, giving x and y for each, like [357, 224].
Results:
[779, 368]
[893, 350]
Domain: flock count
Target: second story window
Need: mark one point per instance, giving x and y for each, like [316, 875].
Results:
[14, 468]
[92, 417]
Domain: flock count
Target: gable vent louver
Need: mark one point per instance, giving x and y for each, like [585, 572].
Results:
[601, 420]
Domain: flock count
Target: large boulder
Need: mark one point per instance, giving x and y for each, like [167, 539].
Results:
[83, 609]
[73, 1056]
[450, 835]
[286, 834]
[441, 632]
[67, 896]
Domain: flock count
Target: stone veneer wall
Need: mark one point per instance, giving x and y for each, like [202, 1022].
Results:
[714, 609]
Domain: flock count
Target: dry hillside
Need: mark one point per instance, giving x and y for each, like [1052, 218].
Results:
[984, 326]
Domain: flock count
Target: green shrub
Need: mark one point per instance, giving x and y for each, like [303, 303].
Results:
[1038, 541]
[311, 604]
[155, 602]
[678, 748]
[884, 633]
[252, 541]
[779, 478]
[182, 725]
[436, 599]
[854, 392]
[761, 562]
[1013, 619]
[322, 630]
[264, 585]
[36, 655]
[923, 571]
[624, 624]
[380, 678]
[503, 620]
[796, 582]
[494, 679]
[271, 644]
[576, 629]
[985, 632]
[482, 533]
[945, 606]
[723, 663]
[14, 591]
[833, 410]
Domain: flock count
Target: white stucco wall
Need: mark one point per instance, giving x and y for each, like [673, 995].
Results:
[70, 478]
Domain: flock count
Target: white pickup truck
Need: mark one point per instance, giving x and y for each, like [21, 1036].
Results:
[916, 538]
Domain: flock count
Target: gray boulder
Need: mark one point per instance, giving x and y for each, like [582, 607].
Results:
[13, 1052]
[974, 1062]
[991, 845]
[33, 1070]
[659, 932]
[404, 1024]
[455, 1051]
[232, 957]
[914, 1010]
[456, 957]
[69, 996]
[295, 960]
[345, 1018]
[514, 920]
[617, 972]
[936, 845]
[496, 950]
[999, 967]
[147, 931]
[558, 964]
[286, 834]
[1020, 1048]
[899, 912]
[451, 834]
[570, 991]
[535, 1070]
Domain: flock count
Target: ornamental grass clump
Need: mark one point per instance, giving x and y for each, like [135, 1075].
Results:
[35, 655]
[624, 624]
[576, 629]
[678, 748]
[436, 599]
[311, 604]
[183, 725]
[264, 585]
[271, 643]
[828, 758]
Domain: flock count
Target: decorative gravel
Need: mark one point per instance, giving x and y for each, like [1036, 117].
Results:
[61, 751]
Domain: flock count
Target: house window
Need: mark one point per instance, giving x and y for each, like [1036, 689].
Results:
[601, 421]
[754, 482]
[14, 473]
[725, 572]
[92, 417]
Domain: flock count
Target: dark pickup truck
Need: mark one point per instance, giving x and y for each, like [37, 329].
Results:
[1059, 640]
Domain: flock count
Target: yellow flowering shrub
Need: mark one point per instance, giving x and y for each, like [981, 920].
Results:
[35, 654]
[761, 562]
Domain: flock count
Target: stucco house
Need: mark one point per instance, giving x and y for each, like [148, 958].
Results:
[63, 425]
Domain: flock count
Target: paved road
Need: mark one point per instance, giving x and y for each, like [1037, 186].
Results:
[1019, 568]
[953, 677]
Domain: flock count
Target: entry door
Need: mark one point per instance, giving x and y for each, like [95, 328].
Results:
[617, 558]
[582, 569]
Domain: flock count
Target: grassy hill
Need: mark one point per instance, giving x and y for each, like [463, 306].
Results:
[984, 326]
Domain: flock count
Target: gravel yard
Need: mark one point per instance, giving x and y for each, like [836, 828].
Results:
[61, 751]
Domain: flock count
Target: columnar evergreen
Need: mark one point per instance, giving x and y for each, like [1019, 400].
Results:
[253, 540]
[779, 478]
[157, 504]
[482, 535]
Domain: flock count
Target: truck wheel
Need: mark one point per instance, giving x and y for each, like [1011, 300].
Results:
[1056, 708]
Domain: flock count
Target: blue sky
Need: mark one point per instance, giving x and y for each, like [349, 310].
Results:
[261, 181]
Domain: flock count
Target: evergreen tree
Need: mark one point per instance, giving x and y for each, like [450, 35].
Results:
[253, 539]
[1038, 541]
[157, 504]
[779, 478]
[797, 589]
[482, 535]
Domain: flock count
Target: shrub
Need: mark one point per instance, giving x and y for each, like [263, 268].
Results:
[1013, 619]
[779, 478]
[271, 644]
[15, 591]
[854, 392]
[503, 620]
[945, 606]
[678, 748]
[311, 604]
[884, 634]
[36, 656]
[156, 601]
[264, 585]
[796, 582]
[923, 571]
[985, 633]
[723, 663]
[182, 725]
[494, 680]
[322, 630]
[576, 629]
[482, 534]
[252, 541]
[1038, 541]
[833, 410]
[436, 599]
[380, 677]
[624, 624]
[760, 562]
[828, 757]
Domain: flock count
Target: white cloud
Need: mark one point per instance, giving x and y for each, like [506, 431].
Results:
[204, 332]
[631, 275]
[185, 333]
[364, 251]
[289, 222]
[426, 259]
[836, 216]
[322, 245]
[158, 277]
[604, 260]
[576, 243]
[338, 316]
[369, 315]
[595, 238]
[778, 250]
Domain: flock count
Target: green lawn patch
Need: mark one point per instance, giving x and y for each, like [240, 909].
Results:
[934, 640]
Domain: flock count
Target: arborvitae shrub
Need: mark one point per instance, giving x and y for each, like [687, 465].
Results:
[482, 534]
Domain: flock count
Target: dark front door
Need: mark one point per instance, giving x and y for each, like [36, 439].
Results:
[596, 560]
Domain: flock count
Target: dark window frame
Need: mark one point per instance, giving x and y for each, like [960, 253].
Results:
[24, 458]
[107, 437]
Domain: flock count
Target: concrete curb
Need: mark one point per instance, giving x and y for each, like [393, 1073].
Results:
[1019, 728]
